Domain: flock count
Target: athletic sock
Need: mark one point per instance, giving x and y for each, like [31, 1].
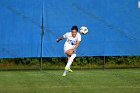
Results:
[70, 61]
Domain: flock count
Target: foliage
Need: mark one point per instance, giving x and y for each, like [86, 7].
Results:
[79, 61]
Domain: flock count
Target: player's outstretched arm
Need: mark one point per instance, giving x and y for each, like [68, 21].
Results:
[57, 40]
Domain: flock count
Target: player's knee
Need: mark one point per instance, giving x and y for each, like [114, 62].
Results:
[69, 52]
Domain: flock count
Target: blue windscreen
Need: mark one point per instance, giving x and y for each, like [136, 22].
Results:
[114, 27]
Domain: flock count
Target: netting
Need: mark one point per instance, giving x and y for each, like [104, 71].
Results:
[113, 27]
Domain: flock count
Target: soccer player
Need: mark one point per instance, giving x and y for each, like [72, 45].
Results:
[73, 40]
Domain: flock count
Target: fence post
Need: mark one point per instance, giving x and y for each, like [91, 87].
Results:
[42, 35]
[104, 62]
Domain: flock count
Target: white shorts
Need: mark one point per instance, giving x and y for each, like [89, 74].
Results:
[68, 47]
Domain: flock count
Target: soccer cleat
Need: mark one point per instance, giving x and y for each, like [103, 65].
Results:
[70, 70]
[66, 68]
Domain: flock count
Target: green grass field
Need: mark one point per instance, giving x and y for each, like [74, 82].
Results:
[80, 81]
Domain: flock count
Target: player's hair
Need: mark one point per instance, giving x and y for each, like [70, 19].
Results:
[74, 28]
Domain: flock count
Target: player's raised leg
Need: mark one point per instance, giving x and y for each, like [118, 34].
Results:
[71, 55]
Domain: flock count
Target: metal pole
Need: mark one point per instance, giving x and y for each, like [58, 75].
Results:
[104, 62]
[42, 35]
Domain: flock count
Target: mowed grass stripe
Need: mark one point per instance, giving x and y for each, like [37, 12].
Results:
[80, 81]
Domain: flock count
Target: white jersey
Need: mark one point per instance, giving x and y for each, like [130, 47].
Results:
[71, 41]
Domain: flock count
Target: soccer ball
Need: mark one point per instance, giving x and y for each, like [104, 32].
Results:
[84, 30]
